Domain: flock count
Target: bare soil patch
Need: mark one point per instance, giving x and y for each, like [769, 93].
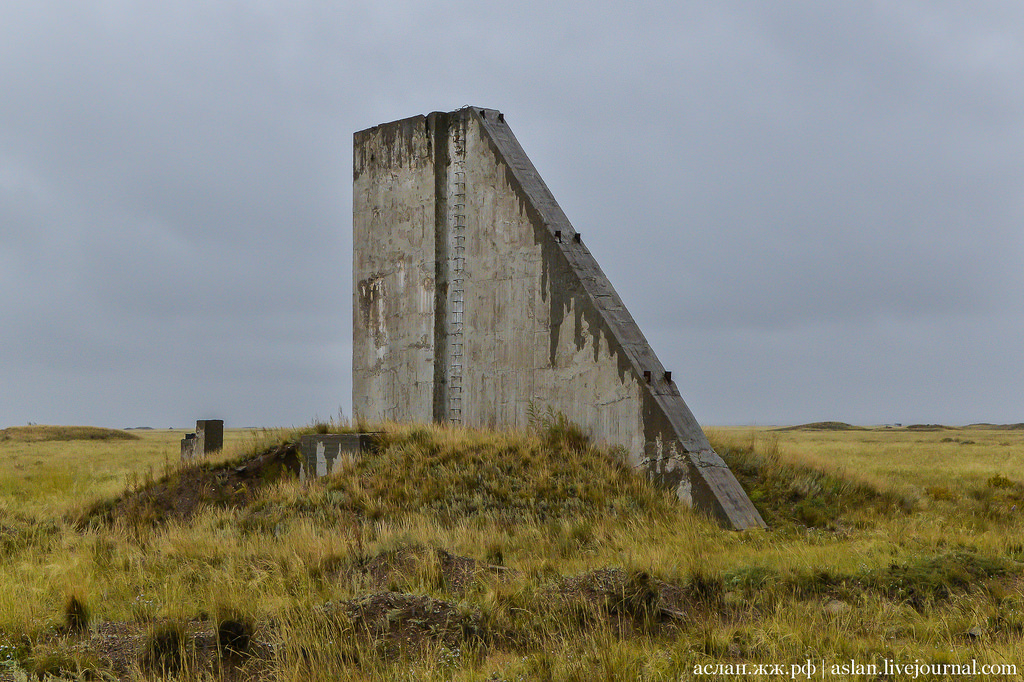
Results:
[634, 600]
[121, 650]
[178, 495]
[447, 571]
[402, 624]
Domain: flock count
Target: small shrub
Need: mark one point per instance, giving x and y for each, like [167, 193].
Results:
[163, 649]
[705, 590]
[940, 493]
[76, 614]
[813, 513]
[1000, 482]
[638, 599]
[934, 578]
[751, 579]
[234, 636]
[494, 554]
[49, 662]
[812, 584]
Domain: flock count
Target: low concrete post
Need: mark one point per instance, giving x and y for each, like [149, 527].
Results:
[188, 447]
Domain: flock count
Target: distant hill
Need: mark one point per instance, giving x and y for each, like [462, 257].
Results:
[823, 426]
[998, 427]
[37, 433]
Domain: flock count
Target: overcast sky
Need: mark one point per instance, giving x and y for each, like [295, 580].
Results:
[814, 210]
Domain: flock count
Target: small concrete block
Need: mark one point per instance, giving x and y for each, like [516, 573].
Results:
[324, 454]
[188, 447]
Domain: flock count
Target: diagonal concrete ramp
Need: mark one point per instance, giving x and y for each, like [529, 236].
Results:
[477, 302]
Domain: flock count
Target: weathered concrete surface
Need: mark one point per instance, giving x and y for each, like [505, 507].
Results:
[475, 298]
[325, 454]
[393, 375]
[188, 447]
[208, 438]
[209, 435]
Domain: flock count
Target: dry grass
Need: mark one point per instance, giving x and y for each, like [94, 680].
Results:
[471, 555]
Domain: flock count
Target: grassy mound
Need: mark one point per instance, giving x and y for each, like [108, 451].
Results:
[823, 426]
[452, 473]
[36, 433]
[457, 473]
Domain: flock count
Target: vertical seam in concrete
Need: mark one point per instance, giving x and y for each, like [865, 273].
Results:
[439, 130]
[455, 191]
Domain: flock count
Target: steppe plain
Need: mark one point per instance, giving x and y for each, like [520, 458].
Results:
[457, 554]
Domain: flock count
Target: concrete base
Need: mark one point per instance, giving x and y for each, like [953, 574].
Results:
[325, 454]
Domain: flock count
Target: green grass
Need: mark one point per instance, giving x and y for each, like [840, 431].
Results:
[457, 554]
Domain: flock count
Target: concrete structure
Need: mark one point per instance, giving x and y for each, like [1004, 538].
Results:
[188, 447]
[475, 300]
[208, 438]
[324, 454]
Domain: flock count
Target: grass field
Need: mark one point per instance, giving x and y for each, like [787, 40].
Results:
[471, 555]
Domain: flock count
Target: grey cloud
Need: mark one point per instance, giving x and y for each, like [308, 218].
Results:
[788, 196]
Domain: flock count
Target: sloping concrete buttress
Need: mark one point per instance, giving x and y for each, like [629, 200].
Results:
[476, 302]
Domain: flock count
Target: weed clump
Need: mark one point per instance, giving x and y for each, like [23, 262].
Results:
[638, 598]
[626, 598]
[935, 578]
[556, 430]
[1000, 481]
[705, 589]
[51, 660]
[163, 650]
[916, 582]
[234, 635]
[76, 615]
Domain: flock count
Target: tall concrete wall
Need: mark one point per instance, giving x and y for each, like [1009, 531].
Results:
[393, 230]
[475, 298]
